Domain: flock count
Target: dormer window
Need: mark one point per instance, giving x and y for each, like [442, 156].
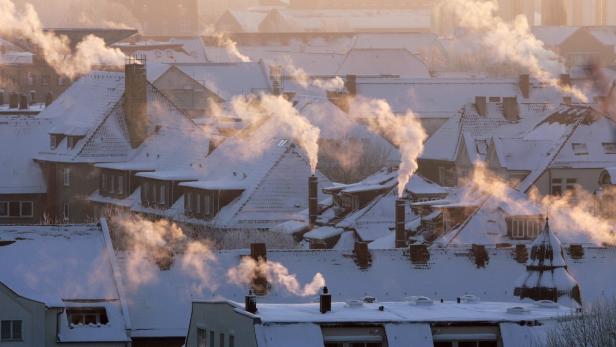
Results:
[579, 148]
[609, 147]
[54, 140]
[524, 227]
[87, 316]
[71, 141]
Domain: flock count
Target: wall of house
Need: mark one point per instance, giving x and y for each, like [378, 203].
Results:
[30, 313]
[440, 172]
[220, 318]
[38, 207]
[84, 180]
[38, 77]
[582, 43]
[586, 178]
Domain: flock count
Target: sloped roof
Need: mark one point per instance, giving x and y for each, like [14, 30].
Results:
[553, 35]
[24, 137]
[163, 305]
[229, 79]
[391, 61]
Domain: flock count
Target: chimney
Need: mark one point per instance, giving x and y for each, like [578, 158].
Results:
[23, 102]
[351, 84]
[400, 221]
[565, 80]
[511, 109]
[419, 254]
[325, 301]
[480, 254]
[313, 203]
[13, 100]
[481, 105]
[1, 97]
[258, 252]
[276, 79]
[524, 83]
[567, 100]
[135, 101]
[250, 304]
[362, 255]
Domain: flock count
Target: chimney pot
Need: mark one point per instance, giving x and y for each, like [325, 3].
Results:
[363, 258]
[13, 100]
[351, 84]
[135, 103]
[250, 302]
[567, 100]
[524, 84]
[325, 301]
[565, 80]
[481, 105]
[313, 203]
[400, 223]
[258, 251]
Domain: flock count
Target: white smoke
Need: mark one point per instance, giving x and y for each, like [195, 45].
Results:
[91, 51]
[404, 131]
[301, 77]
[510, 42]
[227, 43]
[276, 273]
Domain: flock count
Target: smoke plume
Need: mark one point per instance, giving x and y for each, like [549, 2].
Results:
[574, 215]
[404, 131]
[301, 77]
[510, 42]
[247, 271]
[286, 118]
[91, 51]
[223, 40]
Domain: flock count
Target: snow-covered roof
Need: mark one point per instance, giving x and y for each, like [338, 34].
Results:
[229, 79]
[323, 233]
[163, 305]
[240, 21]
[67, 266]
[553, 36]
[605, 34]
[404, 311]
[375, 62]
[24, 137]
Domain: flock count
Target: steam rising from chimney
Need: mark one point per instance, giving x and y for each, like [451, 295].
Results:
[91, 51]
[227, 43]
[511, 42]
[301, 77]
[276, 273]
[286, 118]
[404, 131]
[573, 214]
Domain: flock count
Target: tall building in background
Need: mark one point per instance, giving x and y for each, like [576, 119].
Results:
[554, 12]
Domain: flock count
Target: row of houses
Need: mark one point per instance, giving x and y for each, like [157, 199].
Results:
[71, 284]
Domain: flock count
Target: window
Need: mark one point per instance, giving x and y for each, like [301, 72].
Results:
[198, 203]
[26, 209]
[61, 81]
[609, 147]
[119, 182]
[212, 336]
[10, 330]
[30, 78]
[570, 183]
[45, 80]
[86, 316]
[201, 337]
[188, 202]
[222, 340]
[66, 211]
[556, 187]
[231, 341]
[71, 141]
[54, 140]
[4, 209]
[14, 209]
[579, 148]
[67, 177]
[163, 194]
[104, 185]
[524, 227]
[206, 205]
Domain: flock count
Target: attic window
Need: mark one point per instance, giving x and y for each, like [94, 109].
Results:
[54, 140]
[87, 316]
[609, 147]
[71, 141]
[579, 148]
[481, 146]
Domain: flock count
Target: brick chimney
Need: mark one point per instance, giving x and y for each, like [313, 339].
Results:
[325, 301]
[481, 105]
[350, 84]
[524, 84]
[362, 255]
[313, 203]
[400, 221]
[276, 79]
[565, 80]
[511, 109]
[136, 100]
[1, 97]
[258, 252]
[48, 99]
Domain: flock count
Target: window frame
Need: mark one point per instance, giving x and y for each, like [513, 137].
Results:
[15, 330]
[66, 212]
[66, 176]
